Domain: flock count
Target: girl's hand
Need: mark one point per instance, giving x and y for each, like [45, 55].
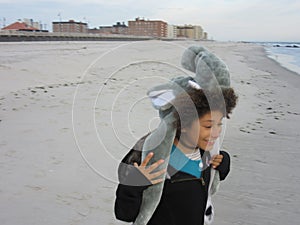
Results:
[147, 170]
[216, 160]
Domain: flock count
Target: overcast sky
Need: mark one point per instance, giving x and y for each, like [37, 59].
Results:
[236, 20]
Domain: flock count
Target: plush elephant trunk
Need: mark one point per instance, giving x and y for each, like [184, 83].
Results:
[160, 143]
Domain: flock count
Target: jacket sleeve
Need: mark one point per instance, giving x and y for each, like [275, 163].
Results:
[128, 202]
[224, 167]
[132, 183]
[129, 193]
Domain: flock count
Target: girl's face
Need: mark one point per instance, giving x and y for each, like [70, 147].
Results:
[204, 131]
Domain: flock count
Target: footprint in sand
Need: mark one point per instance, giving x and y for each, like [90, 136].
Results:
[34, 188]
[294, 113]
[64, 129]
[40, 87]
[258, 121]
[56, 161]
[242, 129]
[69, 198]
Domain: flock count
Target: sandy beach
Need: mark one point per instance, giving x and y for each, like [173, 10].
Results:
[69, 112]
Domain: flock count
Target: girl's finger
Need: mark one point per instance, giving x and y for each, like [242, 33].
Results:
[147, 159]
[157, 174]
[216, 158]
[157, 181]
[219, 157]
[154, 165]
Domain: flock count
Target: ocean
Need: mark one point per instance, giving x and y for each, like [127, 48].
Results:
[285, 53]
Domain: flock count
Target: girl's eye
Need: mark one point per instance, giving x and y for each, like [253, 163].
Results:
[218, 125]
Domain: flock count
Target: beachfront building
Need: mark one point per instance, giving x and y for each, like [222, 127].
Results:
[25, 25]
[20, 26]
[190, 32]
[118, 28]
[152, 28]
[70, 26]
[32, 23]
[172, 31]
[100, 30]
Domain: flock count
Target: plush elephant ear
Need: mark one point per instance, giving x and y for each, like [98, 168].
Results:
[209, 69]
[190, 57]
[162, 99]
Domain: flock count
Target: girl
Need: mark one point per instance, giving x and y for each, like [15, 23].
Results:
[185, 190]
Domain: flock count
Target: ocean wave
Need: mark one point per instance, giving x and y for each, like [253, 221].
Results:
[286, 54]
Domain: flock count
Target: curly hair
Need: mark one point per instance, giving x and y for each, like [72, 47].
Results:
[195, 103]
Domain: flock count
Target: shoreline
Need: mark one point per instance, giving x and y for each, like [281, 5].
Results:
[271, 65]
[284, 61]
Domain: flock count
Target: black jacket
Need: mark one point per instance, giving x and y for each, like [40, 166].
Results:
[183, 199]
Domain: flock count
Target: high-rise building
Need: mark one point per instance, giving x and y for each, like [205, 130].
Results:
[172, 31]
[152, 28]
[118, 28]
[69, 27]
[32, 23]
[190, 31]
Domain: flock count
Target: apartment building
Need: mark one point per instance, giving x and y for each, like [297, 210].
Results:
[190, 32]
[32, 23]
[25, 25]
[172, 31]
[118, 28]
[152, 28]
[70, 26]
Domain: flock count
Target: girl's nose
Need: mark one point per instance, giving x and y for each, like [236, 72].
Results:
[215, 133]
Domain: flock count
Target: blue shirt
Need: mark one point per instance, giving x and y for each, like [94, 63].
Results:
[179, 161]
